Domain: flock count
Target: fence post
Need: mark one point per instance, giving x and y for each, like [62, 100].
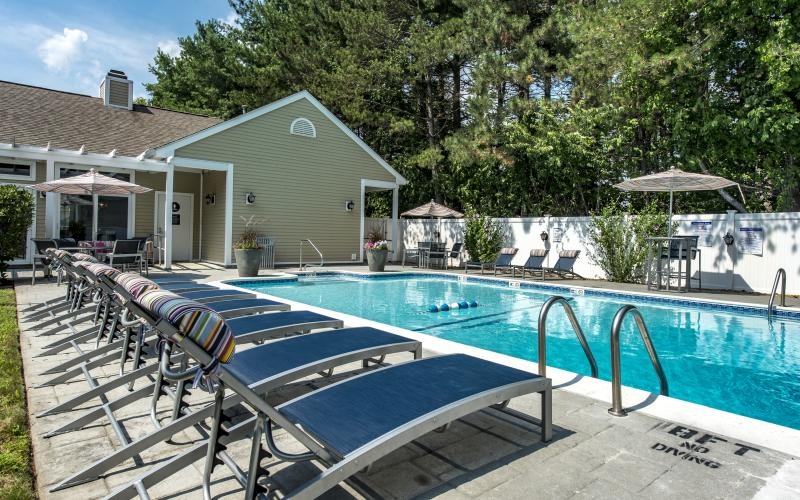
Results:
[730, 227]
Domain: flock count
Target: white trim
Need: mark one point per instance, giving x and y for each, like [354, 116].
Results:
[383, 185]
[51, 207]
[22, 161]
[313, 128]
[76, 158]
[191, 226]
[228, 251]
[169, 189]
[192, 163]
[170, 148]
[132, 209]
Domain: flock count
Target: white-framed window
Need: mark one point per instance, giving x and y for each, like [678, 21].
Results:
[303, 126]
[17, 169]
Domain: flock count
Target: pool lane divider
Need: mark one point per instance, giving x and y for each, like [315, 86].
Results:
[461, 304]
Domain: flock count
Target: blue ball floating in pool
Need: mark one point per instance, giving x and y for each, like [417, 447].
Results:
[444, 307]
[433, 308]
[463, 304]
[474, 303]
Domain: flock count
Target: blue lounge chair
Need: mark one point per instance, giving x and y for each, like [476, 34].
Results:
[215, 295]
[534, 265]
[503, 261]
[563, 266]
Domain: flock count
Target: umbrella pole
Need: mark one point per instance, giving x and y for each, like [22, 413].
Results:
[669, 227]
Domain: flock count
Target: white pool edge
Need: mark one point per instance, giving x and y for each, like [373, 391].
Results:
[751, 430]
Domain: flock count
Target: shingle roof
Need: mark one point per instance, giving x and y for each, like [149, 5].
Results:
[35, 116]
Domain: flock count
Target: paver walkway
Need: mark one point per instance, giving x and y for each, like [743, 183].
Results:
[487, 455]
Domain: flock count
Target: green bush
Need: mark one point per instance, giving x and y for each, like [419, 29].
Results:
[483, 238]
[618, 241]
[16, 215]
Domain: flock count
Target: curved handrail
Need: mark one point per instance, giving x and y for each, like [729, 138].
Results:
[542, 334]
[779, 276]
[321, 258]
[616, 372]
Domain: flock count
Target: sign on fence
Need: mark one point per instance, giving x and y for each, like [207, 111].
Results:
[703, 230]
[750, 240]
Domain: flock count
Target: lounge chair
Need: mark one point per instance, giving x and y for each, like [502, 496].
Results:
[503, 261]
[563, 266]
[534, 265]
[390, 407]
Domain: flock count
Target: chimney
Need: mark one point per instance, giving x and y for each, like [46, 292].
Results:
[116, 90]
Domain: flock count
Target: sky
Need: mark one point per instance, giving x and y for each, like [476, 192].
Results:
[71, 44]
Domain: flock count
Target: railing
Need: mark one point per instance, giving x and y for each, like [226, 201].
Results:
[779, 276]
[321, 258]
[542, 339]
[616, 372]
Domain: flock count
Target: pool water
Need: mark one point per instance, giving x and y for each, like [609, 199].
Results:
[729, 360]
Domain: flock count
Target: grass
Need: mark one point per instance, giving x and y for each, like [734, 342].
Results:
[16, 479]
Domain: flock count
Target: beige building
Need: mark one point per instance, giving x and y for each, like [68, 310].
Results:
[291, 167]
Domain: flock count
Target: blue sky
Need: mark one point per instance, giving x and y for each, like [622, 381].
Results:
[70, 44]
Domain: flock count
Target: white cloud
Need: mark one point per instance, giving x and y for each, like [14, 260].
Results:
[60, 50]
[231, 19]
[170, 47]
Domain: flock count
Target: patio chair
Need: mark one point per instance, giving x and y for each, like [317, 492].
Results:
[455, 253]
[686, 252]
[417, 253]
[563, 266]
[535, 263]
[125, 254]
[40, 247]
[503, 261]
[437, 252]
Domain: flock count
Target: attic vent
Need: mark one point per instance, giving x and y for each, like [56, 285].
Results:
[304, 127]
[116, 90]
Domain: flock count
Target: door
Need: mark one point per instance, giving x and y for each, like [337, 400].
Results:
[181, 218]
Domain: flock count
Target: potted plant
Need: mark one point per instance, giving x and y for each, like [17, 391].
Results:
[377, 250]
[248, 251]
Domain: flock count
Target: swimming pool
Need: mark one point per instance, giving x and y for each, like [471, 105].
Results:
[726, 357]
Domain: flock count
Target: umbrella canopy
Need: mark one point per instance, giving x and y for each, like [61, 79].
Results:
[676, 179]
[91, 183]
[431, 210]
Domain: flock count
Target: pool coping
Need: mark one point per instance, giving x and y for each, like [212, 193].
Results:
[753, 431]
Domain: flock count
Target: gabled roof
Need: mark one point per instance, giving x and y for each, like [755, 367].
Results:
[36, 116]
[169, 149]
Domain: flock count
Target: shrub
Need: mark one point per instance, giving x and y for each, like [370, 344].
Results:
[247, 241]
[16, 215]
[483, 237]
[618, 241]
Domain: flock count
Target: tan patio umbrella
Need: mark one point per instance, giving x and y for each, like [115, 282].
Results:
[90, 183]
[432, 210]
[676, 179]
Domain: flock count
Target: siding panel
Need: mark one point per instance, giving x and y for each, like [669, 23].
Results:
[301, 183]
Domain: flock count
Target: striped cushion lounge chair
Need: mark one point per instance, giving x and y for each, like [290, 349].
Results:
[535, 263]
[563, 266]
[503, 261]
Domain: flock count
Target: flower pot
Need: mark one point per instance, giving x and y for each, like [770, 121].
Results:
[247, 262]
[376, 259]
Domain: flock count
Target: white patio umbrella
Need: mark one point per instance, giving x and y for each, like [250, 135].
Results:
[433, 210]
[90, 183]
[676, 179]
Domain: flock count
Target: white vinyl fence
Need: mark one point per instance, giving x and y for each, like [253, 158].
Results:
[762, 243]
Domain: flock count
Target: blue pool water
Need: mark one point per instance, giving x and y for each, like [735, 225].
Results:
[730, 360]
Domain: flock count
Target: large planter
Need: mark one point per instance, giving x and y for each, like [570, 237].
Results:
[376, 259]
[247, 262]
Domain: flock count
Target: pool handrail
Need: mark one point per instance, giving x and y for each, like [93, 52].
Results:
[542, 334]
[779, 276]
[616, 372]
[321, 258]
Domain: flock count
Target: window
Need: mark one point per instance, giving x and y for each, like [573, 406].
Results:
[97, 217]
[304, 127]
[12, 168]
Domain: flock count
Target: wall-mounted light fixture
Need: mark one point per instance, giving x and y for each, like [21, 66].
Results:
[211, 199]
[544, 236]
[249, 198]
[728, 238]
[349, 205]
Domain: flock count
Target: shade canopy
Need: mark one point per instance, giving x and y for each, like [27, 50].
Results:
[91, 183]
[675, 179]
[432, 209]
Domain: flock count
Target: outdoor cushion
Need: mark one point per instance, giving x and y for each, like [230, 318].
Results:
[508, 251]
[103, 270]
[194, 321]
[539, 252]
[84, 257]
[135, 284]
[570, 254]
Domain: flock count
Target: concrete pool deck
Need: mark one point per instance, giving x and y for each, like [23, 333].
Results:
[592, 455]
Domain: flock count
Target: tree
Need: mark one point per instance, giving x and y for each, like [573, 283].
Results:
[16, 216]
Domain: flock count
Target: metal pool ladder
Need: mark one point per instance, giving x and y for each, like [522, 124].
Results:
[779, 276]
[616, 372]
[542, 337]
[309, 266]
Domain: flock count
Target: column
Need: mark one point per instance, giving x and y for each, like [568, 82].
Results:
[396, 236]
[168, 190]
[51, 214]
[229, 216]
